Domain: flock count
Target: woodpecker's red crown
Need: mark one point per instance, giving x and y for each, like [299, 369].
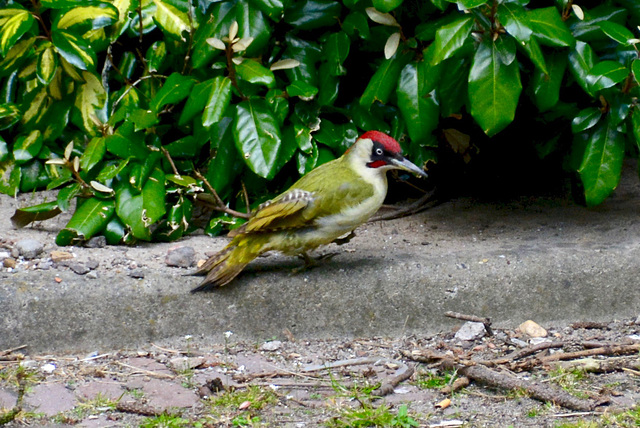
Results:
[388, 143]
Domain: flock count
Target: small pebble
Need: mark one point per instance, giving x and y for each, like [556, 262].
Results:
[79, 268]
[470, 331]
[9, 262]
[92, 274]
[136, 273]
[96, 242]
[57, 256]
[184, 257]
[92, 264]
[271, 346]
[29, 248]
[4, 255]
[48, 368]
[637, 321]
[532, 329]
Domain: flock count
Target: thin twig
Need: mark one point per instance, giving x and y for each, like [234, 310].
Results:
[219, 204]
[147, 372]
[245, 195]
[485, 321]
[426, 201]
[10, 350]
[168, 156]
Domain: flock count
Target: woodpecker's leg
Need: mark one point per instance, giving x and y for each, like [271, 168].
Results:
[346, 239]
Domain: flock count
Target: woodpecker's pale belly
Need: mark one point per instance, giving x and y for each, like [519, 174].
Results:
[326, 229]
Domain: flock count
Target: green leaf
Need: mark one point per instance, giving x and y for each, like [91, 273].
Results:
[66, 195]
[33, 176]
[9, 115]
[93, 153]
[602, 162]
[336, 51]
[586, 119]
[177, 222]
[451, 37]
[420, 110]
[144, 119]
[196, 101]
[635, 125]
[252, 23]
[384, 81]
[257, 136]
[581, 61]
[386, 6]
[139, 211]
[222, 15]
[356, 23]
[339, 137]
[635, 68]
[4, 150]
[176, 88]
[254, 72]
[272, 8]
[171, 19]
[89, 219]
[546, 87]
[494, 89]
[90, 104]
[111, 170]
[74, 49]
[534, 52]
[452, 88]
[47, 65]
[10, 176]
[312, 14]
[40, 212]
[301, 89]
[18, 54]
[82, 19]
[224, 168]
[27, 147]
[616, 32]
[156, 54]
[606, 74]
[14, 23]
[470, 4]
[116, 232]
[184, 148]
[328, 86]
[126, 143]
[219, 100]
[548, 27]
[515, 20]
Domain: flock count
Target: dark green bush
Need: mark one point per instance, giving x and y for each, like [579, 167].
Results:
[120, 103]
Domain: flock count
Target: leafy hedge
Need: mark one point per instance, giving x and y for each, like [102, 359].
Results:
[122, 103]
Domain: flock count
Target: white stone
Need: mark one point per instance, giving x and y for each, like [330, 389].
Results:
[471, 331]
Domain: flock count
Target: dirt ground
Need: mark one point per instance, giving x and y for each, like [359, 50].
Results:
[287, 383]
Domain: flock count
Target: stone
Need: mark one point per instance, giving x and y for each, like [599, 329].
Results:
[471, 331]
[96, 242]
[271, 346]
[519, 343]
[4, 255]
[162, 395]
[136, 273]
[183, 257]
[92, 264]
[29, 248]
[89, 391]
[58, 256]
[79, 268]
[532, 329]
[637, 321]
[9, 262]
[50, 399]
[538, 340]
[186, 363]
[92, 275]
[8, 399]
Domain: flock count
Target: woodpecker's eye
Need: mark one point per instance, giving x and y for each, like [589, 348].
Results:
[379, 152]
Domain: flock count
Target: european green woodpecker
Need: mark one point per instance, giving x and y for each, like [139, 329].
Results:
[329, 202]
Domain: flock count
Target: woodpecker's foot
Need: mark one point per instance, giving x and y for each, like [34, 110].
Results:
[310, 262]
[346, 239]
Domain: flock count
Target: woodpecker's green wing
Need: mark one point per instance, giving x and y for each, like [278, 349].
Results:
[327, 190]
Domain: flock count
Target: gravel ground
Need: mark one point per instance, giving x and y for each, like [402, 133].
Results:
[275, 383]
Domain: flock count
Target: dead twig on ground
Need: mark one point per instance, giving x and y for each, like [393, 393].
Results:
[429, 200]
[485, 321]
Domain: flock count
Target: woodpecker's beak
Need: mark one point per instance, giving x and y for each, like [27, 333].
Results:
[402, 163]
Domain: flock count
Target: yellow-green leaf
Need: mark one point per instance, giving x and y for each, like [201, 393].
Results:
[47, 65]
[170, 19]
[14, 23]
[83, 19]
[90, 102]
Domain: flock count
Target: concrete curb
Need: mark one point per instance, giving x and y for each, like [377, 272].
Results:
[541, 259]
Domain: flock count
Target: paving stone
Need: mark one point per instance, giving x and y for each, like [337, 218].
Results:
[8, 399]
[98, 421]
[186, 363]
[90, 391]
[50, 399]
[162, 394]
[149, 364]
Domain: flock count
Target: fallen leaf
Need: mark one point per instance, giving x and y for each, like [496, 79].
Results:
[245, 405]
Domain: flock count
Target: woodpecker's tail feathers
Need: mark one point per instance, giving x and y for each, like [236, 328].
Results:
[226, 265]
